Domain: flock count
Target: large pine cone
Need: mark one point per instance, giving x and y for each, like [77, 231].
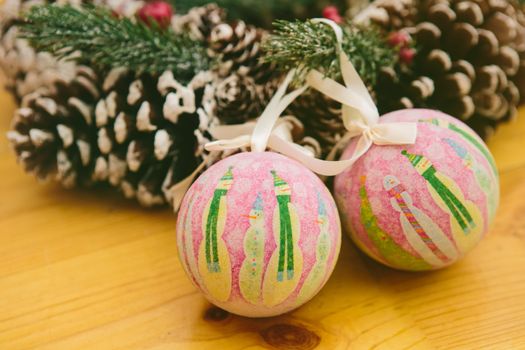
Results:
[151, 130]
[470, 62]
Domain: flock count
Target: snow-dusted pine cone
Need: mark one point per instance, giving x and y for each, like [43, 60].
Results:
[238, 48]
[150, 131]
[470, 61]
[53, 135]
[244, 83]
[199, 21]
[241, 71]
[141, 134]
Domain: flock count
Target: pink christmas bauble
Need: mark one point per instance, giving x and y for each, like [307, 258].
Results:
[259, 234]
[421, 206]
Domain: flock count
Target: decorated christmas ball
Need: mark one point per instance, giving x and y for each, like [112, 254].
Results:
[258, 233]
[421, 206]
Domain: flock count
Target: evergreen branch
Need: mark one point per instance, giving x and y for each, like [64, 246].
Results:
[308, 45]
[93, 35]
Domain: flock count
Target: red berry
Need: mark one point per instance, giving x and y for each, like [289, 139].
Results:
[158, 11]
[406, 55]
[398, 39]
[331, 12]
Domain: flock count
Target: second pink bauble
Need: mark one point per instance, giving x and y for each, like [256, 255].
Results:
[420, 206]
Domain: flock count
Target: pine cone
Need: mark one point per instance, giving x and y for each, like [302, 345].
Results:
[149, 129]
[141, 134]
[241, 71]
[244, 84]
[53, 135]
[240, 99]
[24, 69]
[470, 62]
[321, 117]
[390, 15]
[238, 48]
[199, 21]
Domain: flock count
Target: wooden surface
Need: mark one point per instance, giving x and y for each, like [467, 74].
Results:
[86, 269]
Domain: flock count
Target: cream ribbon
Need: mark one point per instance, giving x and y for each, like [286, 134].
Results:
[359, 113]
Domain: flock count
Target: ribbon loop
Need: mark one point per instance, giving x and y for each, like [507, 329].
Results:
[272, 112]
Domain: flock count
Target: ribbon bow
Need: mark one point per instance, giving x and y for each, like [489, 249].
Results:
[359, 112]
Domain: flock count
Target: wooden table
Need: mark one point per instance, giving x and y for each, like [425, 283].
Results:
[87, 269]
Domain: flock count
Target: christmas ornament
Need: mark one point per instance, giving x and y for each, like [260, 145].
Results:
[420, 206]
[258, 234]
[420, 189]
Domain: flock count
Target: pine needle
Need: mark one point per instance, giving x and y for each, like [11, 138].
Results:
[309, 45]
[94, 35]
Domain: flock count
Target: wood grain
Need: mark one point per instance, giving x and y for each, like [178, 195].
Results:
[86, 269]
